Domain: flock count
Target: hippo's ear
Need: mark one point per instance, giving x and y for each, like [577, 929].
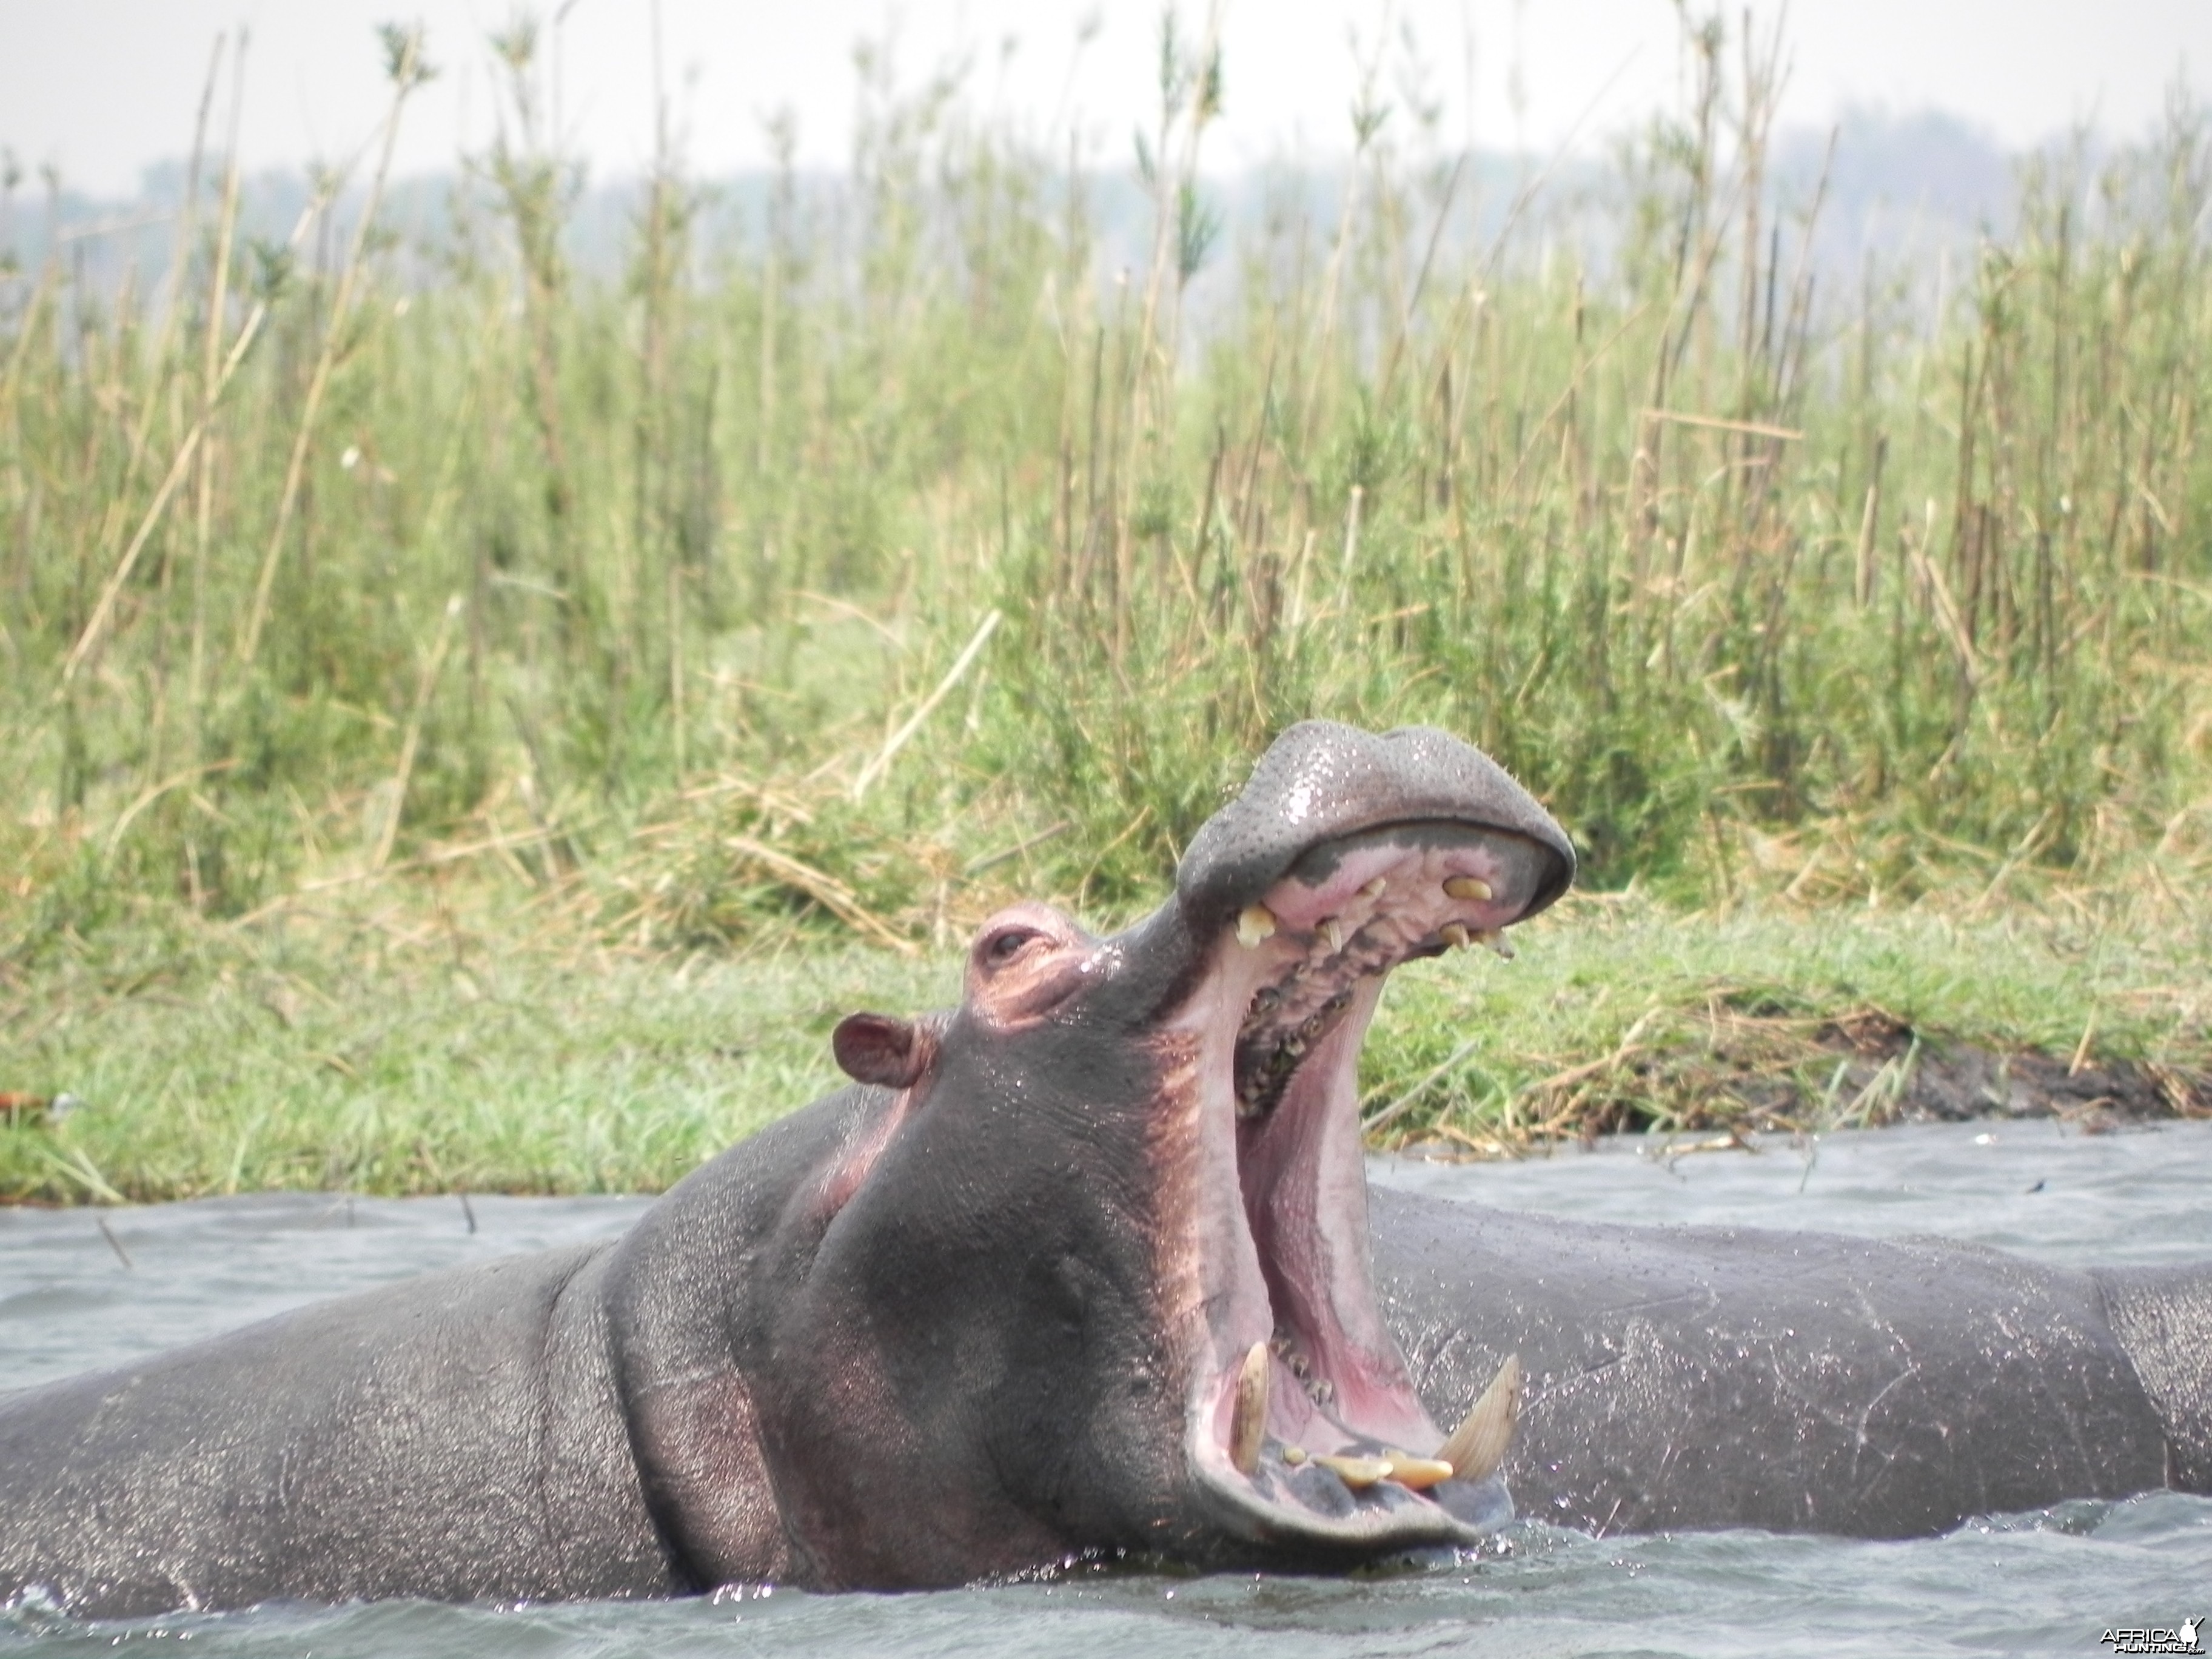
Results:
[892, 1053]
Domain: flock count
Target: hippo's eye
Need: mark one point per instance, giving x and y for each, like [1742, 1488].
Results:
[1003, 946]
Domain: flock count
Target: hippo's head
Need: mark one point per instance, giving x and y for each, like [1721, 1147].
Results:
[1087, 1267]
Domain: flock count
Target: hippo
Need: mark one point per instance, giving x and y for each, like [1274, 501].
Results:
[1088, 1267]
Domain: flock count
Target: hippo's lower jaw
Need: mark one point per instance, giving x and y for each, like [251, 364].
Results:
[1304, 1431]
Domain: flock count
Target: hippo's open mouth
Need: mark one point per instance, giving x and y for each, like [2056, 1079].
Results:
[1302, 1421]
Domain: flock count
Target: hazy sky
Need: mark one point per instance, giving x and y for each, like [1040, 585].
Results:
[102, 86]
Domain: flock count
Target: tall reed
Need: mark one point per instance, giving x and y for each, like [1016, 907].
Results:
[311, 564]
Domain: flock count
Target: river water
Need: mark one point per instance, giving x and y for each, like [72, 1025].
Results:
[2047, 1582]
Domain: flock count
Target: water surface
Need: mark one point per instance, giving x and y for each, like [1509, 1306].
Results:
[2047, 1582]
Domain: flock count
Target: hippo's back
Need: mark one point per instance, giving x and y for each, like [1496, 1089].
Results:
[1704, 1376]
[454, 1436]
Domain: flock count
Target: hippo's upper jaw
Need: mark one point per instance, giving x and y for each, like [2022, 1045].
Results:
[1298, 1400]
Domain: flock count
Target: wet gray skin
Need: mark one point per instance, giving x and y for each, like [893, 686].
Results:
[1799, 1381]
[1078, 1266]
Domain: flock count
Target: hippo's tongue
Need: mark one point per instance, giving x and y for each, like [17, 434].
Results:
[1302, 1366]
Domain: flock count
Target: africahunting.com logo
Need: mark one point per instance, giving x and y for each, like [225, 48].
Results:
[2153, 1640]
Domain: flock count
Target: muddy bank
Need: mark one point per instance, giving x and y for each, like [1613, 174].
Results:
[1731, 1069]
[1903, 1076]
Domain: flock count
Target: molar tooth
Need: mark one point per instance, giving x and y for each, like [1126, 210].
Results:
[1332, 931]
[1357, 1473]
[1253, 923]
[1454, 934]
[1417, 1473]
[1248, 1419]
[1480, 1444]
[1469, 887]
[1375, 889]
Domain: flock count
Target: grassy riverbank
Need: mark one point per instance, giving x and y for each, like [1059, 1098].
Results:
[391, 1045]
[473, 722]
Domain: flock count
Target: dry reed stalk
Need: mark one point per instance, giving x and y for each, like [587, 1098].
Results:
[165, 378]
[1864, 570]
[1405, 313]
[179, 465]
[424, 687]
[881, 763]
[181, 462]
[1366, 121]
[824, 890]
[407, 74]
[210, 354]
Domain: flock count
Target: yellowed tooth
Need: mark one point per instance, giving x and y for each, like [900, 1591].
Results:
[1375, 889]
[1454, 934]
[1332, 931]
[1420, 1474]
[1480, 1444]
[1254, 923]
[1498, 942]
[1294, 1456]
[1248, 1419]
[1357, 1473]
[1469, 887]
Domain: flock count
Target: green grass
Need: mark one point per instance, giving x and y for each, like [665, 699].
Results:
[1624, 1014]
[215, 1063]
[397, 1049]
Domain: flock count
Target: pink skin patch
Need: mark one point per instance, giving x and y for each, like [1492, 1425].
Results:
[1292, 1269]
[1413, 876]
[1305, 1185]
[1377, 929]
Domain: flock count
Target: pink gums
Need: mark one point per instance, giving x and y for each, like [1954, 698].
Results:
[1299, 1168]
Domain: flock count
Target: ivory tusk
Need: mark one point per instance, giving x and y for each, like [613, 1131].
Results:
[1480, 1444]
[1248, 1419]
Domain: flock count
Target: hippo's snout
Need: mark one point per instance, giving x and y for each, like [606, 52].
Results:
[1321, 785]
